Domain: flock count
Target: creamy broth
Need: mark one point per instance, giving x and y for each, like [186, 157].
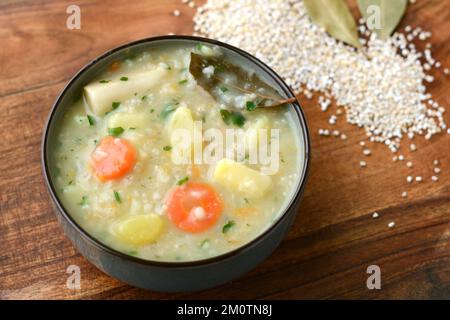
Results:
[106, 206]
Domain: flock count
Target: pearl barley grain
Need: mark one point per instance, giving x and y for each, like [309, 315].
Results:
[310, 60]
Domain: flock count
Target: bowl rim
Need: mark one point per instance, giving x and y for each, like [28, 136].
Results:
[177, 264]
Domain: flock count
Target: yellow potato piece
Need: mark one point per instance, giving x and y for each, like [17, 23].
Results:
[240, 179]
[100, 96]
[139, 230]
[127, 120]
[181, 130]
[252, 134]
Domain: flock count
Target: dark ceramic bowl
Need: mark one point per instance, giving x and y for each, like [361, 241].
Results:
[170, 276]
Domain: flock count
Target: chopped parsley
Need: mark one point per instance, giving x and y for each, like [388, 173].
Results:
[182, 181]
[104, 81]
[91, 120]
[204, 243]
[117, 197]
[117, 131]
[167, 148]
[250, 105]
[83, 201]
[168, 109]
[124, 79]
[115, 105]
[223, 89]
[183, 81]
[199, 46]
[228, 226]
[232, 117]
[144, 98]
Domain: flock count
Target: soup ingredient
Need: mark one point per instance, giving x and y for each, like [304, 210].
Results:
[228, 226]
[117, 197]
[100, 96]
[255, 131]
[241, 180]
[127, 120]
[91, 120]
[139, 230]
[385, 95]
[335, 17]
[83, 201]
[210, 72]
[113, 158]
[181, 128]
[194, 207]
[115, 131]
[182, 181]
[391, 12]
[232, 117]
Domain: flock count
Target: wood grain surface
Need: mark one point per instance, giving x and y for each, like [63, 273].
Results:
[334, 239]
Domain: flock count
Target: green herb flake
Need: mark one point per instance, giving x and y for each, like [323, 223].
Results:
[91, 120]
[246, 200]
[233, 117]
[228, 226]
[133, 253]
[152, 110]
[124, 79]
[115, 105]
[83, 201]
[204, 243]
[117, 131]
[250, 105]
[117, 197]
[167, 148]
[144, 98]
[183, 81]
[168, 109]
[199, 47]
[182, 181]
[223, 89]
[104, 81]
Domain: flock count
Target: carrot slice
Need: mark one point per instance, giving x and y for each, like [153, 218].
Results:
[194, 207]
[113, 158]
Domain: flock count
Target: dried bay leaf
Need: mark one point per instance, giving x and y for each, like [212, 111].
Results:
[226, 77]
[335, 17]
[390, 13]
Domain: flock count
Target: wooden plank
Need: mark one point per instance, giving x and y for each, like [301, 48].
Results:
[334, 238]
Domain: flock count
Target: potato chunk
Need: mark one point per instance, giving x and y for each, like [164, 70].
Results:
[100, 96]
[240, 179]
[140, 229]
[253, 135]
[182, 133]
[127, 120]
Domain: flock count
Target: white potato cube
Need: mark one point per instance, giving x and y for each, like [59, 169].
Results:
[127, 120]
[100, 96]
[253, 133]
[140, 229]
[182, 132]
[240, 179]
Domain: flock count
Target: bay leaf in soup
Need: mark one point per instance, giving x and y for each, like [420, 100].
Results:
[382, 16]
[218, 76]
[335, 17]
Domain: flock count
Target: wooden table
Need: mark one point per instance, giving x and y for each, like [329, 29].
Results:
[334, 239]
